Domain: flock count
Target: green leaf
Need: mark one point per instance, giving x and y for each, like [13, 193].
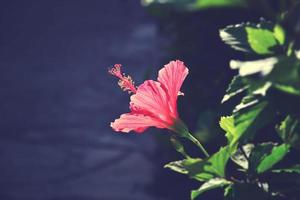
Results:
[235, 87]
[276, 155]
[285, 75]
[288, 89]
[264, 156]
[293, 169]
[178, 146]
[181, 166]
[202, 4]
[227, 124]
[245, 122]
[282, 73]
[236, 37]
[289, 131]
[263, 38]
[193, 5]
[279, 34]
[203, 170]
[251, 118]
[210, 185]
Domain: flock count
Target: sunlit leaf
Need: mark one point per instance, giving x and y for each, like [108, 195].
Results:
[260, 40]
[227, 124]
[181, 166]
[246, 68]
[279, 34]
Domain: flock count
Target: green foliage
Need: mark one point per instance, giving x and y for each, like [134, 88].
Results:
[250, 119]
[193, 5]
[242, 125]
[210, 185]
[203, 170]
[178, 146]
[268, 87]
[263, 38]
[246, 191]
[235, 87]
[260, 158]
[202, 4]
[241, 156]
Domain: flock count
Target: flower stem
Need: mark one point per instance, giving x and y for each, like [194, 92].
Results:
[196, 142]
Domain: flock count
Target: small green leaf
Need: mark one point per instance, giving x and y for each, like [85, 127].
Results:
[293, 169]
[181, 166]
[210, 185]
[265, 156]
[235, 87]
[289, 131]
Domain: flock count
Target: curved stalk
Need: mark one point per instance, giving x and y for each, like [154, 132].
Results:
[198, 143]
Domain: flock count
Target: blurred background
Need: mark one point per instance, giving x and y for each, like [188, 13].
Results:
[57, 99]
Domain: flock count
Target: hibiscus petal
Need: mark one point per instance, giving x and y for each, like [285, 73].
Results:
[135, 122]
[151, 99]
[172, 77]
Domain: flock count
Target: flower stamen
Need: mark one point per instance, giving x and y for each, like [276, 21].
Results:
[126, 83]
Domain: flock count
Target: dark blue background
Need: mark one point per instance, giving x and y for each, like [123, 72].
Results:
[57, 99]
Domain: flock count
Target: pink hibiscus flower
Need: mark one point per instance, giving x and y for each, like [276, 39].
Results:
[153, 103]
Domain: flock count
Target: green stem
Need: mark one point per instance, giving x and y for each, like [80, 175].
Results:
[196, 142]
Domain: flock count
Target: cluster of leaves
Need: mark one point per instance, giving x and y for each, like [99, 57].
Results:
[160, 7]
[192, 5]
[263, 130]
